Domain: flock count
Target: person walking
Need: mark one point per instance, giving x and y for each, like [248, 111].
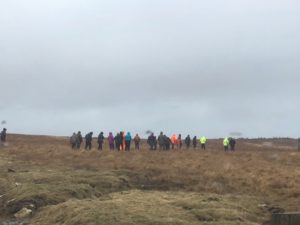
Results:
[203, 141]
[128, 139]
[88, 141]
[100, 141]
[195, 142]
[226, 144]
[79, 140]
[137, 141]
[187, 141]
[111, 140]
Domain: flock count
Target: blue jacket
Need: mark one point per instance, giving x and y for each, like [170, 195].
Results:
[128, 137]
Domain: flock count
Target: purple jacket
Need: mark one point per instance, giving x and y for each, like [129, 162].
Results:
[111, 138]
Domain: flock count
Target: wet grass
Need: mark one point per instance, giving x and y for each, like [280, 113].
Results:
[178, 187]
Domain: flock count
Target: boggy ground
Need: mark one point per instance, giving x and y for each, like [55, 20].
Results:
[211, 187]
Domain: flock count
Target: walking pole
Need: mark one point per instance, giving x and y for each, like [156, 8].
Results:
[299, 144]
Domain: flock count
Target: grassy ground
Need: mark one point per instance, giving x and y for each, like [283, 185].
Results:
[176, 187]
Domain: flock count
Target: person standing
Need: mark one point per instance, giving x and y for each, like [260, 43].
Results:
[161, 141]
[3, 135]
[137, 141]
[155, 143]
[118, 141]
[173, 140]
[232, 143]
[128, 139]
[88, 141]
[203, 142]
[79, 140]
[187, 141]
[167, 142]
[179, 141]
[151, 141]
[195, 142]
[111, 140]
[122, 138]
[73, 140]
[226, 144]
[100, 141]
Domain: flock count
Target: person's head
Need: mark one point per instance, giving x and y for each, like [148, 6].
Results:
[101, 133]
[110, 133]
[4, 129]
[74, 133]
[128, 133]
[91, 133]
[161, 133]
[79, 132]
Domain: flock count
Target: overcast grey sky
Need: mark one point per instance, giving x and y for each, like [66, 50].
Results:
[191, 66]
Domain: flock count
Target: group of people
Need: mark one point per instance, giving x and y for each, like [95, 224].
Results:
[166, 143]
[122, 141]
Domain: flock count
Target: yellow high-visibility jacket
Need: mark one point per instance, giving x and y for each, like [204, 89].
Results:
[203, 140]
